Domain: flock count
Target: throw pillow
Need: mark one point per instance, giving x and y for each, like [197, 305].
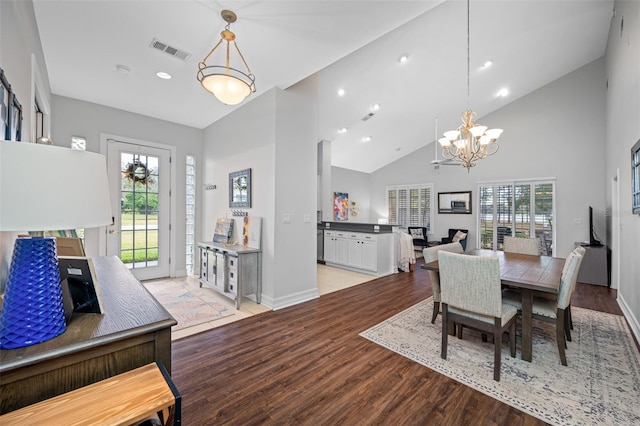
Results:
[417, 233]
[459, 236]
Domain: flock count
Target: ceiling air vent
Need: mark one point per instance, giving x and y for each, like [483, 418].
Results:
[170, 50]
[368, 116]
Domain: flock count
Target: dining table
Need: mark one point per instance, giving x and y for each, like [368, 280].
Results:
[529, 274]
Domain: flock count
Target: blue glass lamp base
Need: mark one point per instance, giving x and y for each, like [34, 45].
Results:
[32, 309]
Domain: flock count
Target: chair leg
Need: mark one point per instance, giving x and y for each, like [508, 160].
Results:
[497, 348]
[560, 336]
[512, 338]
[567, 323]
[436, 308]
[570, 319]
[445, 331]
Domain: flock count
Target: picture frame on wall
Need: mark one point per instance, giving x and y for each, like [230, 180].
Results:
[10, 111]
[5, 93]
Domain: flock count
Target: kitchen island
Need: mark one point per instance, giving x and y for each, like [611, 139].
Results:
[361, 247]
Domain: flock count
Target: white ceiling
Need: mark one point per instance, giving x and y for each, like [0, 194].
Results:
[353, 44]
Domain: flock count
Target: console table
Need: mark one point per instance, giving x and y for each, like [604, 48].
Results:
[233, 270]
[135, 330]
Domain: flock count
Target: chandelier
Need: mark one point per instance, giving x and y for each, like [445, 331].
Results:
[470, 141]
[230, 85]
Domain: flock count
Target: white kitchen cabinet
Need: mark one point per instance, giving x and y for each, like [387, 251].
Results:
[359, 251]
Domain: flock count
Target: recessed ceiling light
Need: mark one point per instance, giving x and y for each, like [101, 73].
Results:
[366, 139]
[398, 149]
[403, 58]
[123, 69]
[343, 130]
[503, 93]
[163, 75]
[487, 64]
[375, 107]
[341, 92]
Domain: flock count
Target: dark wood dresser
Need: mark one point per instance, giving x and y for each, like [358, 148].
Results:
[135, 330]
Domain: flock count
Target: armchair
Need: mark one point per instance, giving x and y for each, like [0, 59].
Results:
[419, 235]
[452, 238]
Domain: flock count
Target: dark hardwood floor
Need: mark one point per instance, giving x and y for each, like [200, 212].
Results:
[306, 365]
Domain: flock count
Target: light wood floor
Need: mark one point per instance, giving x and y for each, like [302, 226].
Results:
[307, 365]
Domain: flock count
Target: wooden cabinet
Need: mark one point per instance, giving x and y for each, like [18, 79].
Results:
[363, 251]
[134, 330]
[234, 271]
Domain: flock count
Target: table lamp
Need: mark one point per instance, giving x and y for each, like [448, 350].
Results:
[44, 188]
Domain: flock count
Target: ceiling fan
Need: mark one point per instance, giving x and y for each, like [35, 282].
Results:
[436, 161]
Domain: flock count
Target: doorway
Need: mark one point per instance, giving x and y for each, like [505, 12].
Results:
[140, 181]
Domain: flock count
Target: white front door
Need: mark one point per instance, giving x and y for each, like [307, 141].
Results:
[140, 179]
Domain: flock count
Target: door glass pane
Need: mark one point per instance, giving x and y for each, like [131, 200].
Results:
[139, 210]
[544, 216]
[504, 213]
[486, 217]
[522, 201]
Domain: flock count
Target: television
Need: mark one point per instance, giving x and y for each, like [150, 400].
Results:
[593, 240]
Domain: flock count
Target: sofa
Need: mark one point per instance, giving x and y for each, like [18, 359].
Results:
[456, 235]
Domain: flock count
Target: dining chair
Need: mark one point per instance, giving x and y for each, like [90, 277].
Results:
[471, 295]
[554, 310]
[430, 254]
[521, 245]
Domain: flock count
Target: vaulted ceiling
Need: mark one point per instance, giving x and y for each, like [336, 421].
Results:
[354, 45]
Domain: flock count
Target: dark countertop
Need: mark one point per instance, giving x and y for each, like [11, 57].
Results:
[371, 228]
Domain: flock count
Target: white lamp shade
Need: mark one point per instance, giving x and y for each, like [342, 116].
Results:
[484, 140]
[452, 135]
[443, 141]
[48, 188]
[477, 131]
[494, 133]
[228, 89]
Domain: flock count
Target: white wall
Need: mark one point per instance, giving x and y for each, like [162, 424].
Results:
[274, 135]
[557, 131]
[358, 186]
[19, 41]
[623, 130]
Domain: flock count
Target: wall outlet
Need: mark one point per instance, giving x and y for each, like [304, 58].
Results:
[577, 221]
[286, 218]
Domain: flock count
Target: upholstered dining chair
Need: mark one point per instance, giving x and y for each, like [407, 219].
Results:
[521, 245]
[554, 310]
[430, 254]
[471, 295]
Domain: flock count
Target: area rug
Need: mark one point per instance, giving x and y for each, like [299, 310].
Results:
[600, 385]
[187, 303]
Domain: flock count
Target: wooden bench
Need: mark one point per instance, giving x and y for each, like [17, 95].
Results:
[125, 399]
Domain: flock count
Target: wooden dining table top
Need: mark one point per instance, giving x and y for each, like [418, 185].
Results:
[540, 273]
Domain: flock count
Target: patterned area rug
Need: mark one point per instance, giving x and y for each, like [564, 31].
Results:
[188, 303]
[600, 385]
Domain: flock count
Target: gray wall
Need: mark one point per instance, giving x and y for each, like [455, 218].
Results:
[623, 130]
[358, 186]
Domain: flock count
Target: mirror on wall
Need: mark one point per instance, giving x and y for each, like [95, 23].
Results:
[240, 188]
[454, 202]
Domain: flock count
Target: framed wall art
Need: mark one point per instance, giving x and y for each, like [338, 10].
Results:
[454, 202]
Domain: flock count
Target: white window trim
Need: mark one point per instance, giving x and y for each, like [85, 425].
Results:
[429, 186]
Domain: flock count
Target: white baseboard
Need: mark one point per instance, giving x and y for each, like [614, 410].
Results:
[289, 300]
[631, 319]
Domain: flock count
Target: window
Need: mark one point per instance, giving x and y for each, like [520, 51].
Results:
[411, 205]
[521, 209]
[635, 178]
[190, 211]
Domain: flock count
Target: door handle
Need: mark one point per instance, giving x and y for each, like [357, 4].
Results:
[113, 231]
